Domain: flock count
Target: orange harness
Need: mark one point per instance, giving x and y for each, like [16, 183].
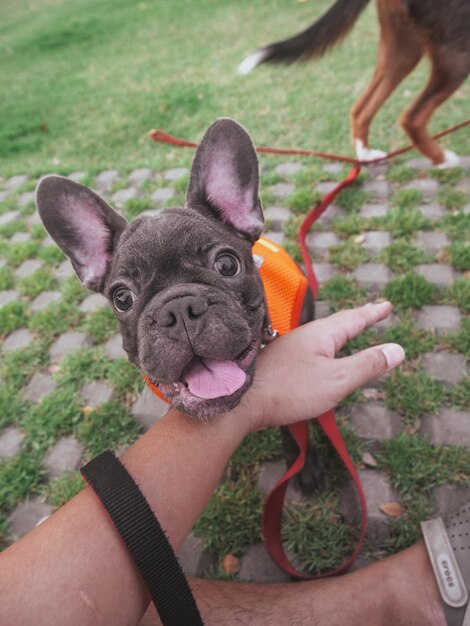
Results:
[285, 287]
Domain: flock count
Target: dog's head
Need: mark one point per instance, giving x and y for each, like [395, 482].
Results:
[183, 285]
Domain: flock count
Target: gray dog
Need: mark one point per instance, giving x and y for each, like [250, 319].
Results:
[183, 285]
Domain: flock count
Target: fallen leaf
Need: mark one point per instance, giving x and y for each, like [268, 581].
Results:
[230, 564]
[369, 460]
[87, 410]
[359, 238]
[52, 369]
[392, 509]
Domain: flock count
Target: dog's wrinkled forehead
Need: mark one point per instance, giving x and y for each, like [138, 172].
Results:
[171, 244]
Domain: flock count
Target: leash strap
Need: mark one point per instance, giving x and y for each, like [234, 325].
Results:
[144, 538]
[272, 513]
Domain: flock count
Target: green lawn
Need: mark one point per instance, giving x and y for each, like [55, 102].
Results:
[84, 80]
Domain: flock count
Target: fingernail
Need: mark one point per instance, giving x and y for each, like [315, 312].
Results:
[394, 354]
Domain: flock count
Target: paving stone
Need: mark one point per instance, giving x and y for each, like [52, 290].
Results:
[16, 181]
[18, 339]
[463, 185]
[148, 408]
[65, 270]
[106, 180]
[113, 348]
[378, 491]
[8, 295]
[120, 198]
[386, 323]
[175, 174]
[334, 167]
[427, 186]
[378, 189]
[419, 164]
[9, 216]
[449, 498]
[431, 242]
[269, 475]
[325, 187]
[77, 176]
[93, 302]
[465, 161]
[10, 442]
[67, 342]
[437, 273]
[48, 241]
[466, 209]
[281, 191]
[4, 195]
[257, 566]
[289, 169]
[373, 420]
[26, 516]
[432, 211]
[34, 219]
[64, 456]
[439, 317]
[96, 393]
[321, 241]
[322, 309]
[140, 176]
[275, 237]
[45, 299]
[448, 428]
[151, 212]
[28, 267]
[376, 240]
[445, 367]
[26, 198]
[373, 210]
[39, 386]
[163, 194]
[277, 216]
[331, 213]
[324, 271]
[193, 557]
[20, 238]
[373, 275]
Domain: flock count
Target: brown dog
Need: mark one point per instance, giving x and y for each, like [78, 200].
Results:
[409, 29]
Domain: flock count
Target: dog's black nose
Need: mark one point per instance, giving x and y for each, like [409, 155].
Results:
[184, 310]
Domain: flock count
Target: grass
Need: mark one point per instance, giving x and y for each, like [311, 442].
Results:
[176, 63]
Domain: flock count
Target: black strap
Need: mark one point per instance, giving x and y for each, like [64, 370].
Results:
[145, 540]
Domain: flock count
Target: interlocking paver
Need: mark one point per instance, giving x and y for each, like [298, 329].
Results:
[10, 442]
[419, 164]
[321, 241]
[163, 194]
[26, 198]
[269, 474]
[45, 299]
[431, 242]
[322, 309]
[276, 237]
[122, 196]
[378, 491]
[378, 189]
[376, 240]
[113, 348]
[373, 210]
[373, 420]
[16, 181]
[64, 456]
[427, 186]
[193, 557]
[289, 168]
[444, 366]
[71, 340]
[437, 273]
[449, 498]
[324, 271]
[325, 187]
[281, 191]
[65, 270]
[175, 173]
[18, 339]
[148, 408]
[277, 216]
[373, 275]
[333, 167]
[93, 302]
[449, 427]
[333, 212]
[432, 211]
[107, 179]
[257, 566]
[28, 267]
[77, 176]
[26, 516]
[140, 176]
[8, 295]
[439, 317]
[97, 392]
[20, 238]
[39, 386]
[9, 216]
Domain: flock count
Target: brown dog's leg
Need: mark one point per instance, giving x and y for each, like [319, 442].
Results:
[443, 81]
[399, 52]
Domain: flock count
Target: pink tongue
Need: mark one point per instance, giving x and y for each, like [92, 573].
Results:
[208, 378]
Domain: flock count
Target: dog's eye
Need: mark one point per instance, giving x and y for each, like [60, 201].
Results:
[227, 265]
[123, 299]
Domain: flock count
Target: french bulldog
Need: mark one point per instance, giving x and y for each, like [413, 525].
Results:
[183, 285]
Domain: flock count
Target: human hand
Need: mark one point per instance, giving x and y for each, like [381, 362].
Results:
[298, 377]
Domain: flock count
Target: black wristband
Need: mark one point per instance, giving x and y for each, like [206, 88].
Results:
[145, 540]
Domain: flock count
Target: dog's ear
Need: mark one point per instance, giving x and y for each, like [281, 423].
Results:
[84, 227]
[224, 178]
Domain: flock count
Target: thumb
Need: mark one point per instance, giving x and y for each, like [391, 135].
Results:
[364, 366]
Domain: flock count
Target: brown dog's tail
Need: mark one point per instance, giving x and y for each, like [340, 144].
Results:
[323, 34]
